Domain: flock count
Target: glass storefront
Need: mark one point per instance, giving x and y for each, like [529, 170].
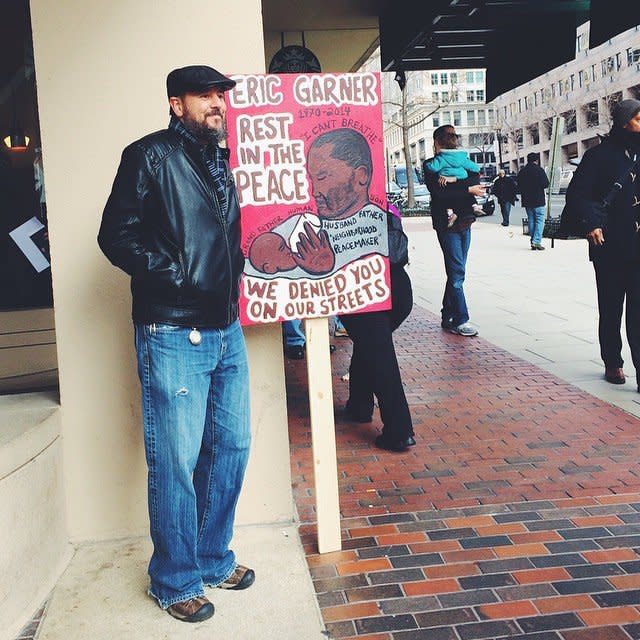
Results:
[25, 273]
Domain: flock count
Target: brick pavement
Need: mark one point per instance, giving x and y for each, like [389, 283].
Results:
[516, 515]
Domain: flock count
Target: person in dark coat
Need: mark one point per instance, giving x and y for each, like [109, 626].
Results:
[505, 190]
[532, 181]
[612, 232]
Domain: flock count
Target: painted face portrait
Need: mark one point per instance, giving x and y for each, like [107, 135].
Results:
[338, 189]
[269, 253]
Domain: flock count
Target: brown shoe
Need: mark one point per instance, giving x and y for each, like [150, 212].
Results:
[614, 375]
[241, 578]
[193, 610]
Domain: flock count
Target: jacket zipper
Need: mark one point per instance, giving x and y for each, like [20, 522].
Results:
[223, 222]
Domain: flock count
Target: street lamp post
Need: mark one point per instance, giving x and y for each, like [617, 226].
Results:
[499, 132]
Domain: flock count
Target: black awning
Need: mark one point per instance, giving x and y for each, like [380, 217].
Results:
[515, 40]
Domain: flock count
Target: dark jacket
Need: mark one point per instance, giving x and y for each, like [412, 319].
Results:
[599, 168]
[164, 226]
[454, 195]
[505, 189]
[532, 181]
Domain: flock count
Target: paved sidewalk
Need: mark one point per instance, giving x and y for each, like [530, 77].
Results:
[517, 515]
[518, 512]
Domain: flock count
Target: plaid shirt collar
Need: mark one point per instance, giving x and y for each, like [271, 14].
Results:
[213, 155]
[211, 148]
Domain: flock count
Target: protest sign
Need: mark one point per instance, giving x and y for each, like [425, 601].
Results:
[308, 162]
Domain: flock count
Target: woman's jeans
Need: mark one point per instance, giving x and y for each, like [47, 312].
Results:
[536, 218]
[455, 247]
[618, 281]
[195, 402]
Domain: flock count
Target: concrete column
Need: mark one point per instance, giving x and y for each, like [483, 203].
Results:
[100, 72]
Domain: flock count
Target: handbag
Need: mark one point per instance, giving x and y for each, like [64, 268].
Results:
[573, 225]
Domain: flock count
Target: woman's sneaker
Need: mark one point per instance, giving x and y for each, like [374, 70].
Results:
[464, 329]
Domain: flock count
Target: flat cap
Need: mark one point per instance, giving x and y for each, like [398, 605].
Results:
[623, 111]
[196, 78]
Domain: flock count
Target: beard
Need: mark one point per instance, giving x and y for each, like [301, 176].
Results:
[203, 132]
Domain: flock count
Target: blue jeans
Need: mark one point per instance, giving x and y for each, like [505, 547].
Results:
[505, 209]
[195, 401]
[293, 333]
[536, 217]
[455, 247]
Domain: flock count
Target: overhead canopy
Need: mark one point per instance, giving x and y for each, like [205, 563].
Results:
[515, 40]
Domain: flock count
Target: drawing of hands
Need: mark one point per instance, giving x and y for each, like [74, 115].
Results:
[314, 252]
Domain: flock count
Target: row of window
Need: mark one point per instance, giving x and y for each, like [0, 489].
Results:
[586, 76]
[451, 77]
[480, 117]
[472, 95]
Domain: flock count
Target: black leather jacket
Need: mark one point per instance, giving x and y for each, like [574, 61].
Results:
[164, 226]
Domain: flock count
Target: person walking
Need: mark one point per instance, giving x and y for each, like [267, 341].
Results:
[604, 195]
[457, 196]
[505, 190]
[172, 222]
[532, 181]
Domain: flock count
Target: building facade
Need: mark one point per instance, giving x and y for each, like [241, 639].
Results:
[581, 91]
[434, 98]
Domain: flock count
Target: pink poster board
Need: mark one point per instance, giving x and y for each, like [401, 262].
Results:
[308, 162]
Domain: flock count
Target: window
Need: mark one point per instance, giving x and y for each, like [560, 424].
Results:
[446, 117]
[492, 118]
[518, 138]
[471, 96]
[547, 124]
[444, 78]
[591, 114]
[479, 76]
[534, 134]
[457, 118]
[454, 78]
[25, 272]
[471, 118]
[434, 78]
[583, 78]
[633, 56]
[608, 66]
[479, 95]
[569, 121]
[434, 96]
[469, 76]
[436, 121]
[445, 96]
[454, 95]
[422, 149]
[482, 117]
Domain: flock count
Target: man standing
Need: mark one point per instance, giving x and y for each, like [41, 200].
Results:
[532, 181]
[172, 222]
[505, 190]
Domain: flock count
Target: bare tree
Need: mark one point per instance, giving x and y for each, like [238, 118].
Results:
[482, 140]
[425, 110]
